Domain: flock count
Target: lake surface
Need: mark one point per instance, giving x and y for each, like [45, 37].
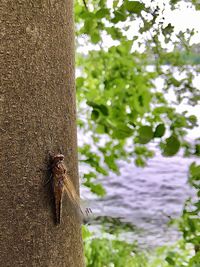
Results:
[146, 197]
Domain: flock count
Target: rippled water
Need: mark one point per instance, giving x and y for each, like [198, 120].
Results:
[146, 197]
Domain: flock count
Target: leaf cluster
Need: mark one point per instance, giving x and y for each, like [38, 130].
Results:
[108, 250]
[190, 220]
[119, 99]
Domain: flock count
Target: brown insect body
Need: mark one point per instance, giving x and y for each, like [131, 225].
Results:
[61, 183]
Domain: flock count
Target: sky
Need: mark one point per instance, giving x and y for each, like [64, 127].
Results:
[184, 18]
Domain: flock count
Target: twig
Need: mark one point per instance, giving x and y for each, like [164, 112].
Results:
[85, 4]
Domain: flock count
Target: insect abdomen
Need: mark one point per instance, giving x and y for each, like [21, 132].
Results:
[58, 194]
[58, 211]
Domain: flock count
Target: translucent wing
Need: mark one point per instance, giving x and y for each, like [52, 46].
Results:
[71, 192]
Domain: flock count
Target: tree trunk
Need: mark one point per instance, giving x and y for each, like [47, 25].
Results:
[37, 115]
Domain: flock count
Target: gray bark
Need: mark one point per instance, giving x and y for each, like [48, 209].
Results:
[37, 115]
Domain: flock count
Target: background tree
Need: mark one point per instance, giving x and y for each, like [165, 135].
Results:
[125, 48]
[37, 115]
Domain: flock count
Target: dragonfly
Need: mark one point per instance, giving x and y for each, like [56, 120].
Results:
[62, 183]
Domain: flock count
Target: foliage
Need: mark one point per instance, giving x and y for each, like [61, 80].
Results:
[105, 252]
[190, 222]
[119, 99]
[128, 92]
[109, 251]
[115, 226]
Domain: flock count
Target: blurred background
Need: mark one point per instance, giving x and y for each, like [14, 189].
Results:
[138, 95]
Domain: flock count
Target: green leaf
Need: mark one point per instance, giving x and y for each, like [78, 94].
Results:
[90, 175]
[192, 225]
[170, 261]
[119, 16]
[141, 101]
[122, 131]
[114, 32]
[195, 260]
[101, 107]
[94, 115]
[193, 120]
[85, 232]
[195, 169]
[96, 188]
[79, 81]
[163, 109]
[101, 170]
[139, 161]
[95, 37]
[160, 130]
[101, 129]
[87, 27]
[110, 161]
[145, 134]
[147, 26]
[115, 3]
[171, 146]
[134, 7]
[101, 13]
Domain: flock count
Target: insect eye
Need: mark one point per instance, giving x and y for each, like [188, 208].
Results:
[58, 157]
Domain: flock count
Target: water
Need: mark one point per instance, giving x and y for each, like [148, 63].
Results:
[147, 198]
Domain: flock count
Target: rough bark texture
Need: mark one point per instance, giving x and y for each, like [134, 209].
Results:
[37, 114]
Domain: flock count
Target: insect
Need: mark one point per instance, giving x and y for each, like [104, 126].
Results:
[62, 183]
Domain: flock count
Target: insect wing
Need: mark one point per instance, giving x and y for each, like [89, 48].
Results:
[58, 204]
[71, 192]
[58, 188]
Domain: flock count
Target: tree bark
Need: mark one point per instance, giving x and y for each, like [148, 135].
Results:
[37, 115]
